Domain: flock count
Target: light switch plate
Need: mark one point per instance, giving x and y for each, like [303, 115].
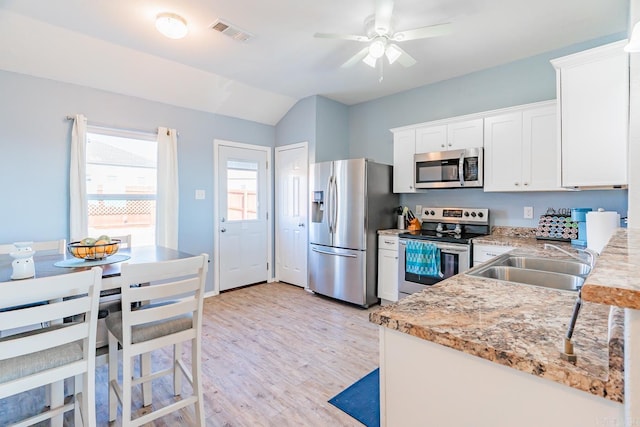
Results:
[199, 194]
[418, 211]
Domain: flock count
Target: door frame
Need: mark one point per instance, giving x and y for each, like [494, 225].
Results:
[217, 143]
[305, 145]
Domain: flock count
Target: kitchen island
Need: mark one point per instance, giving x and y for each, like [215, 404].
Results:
[473, 351]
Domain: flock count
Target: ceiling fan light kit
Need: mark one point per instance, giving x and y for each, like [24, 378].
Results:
[171, 25]
[380, 32]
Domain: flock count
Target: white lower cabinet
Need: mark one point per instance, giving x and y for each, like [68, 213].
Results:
[388, 268]
[483, 253]
[522, 152]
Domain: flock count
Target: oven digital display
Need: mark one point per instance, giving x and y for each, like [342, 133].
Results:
[452, 213]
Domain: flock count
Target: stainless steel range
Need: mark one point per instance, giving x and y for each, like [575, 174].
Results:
[450, 230]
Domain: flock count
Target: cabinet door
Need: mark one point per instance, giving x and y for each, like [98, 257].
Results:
[467, 134]
[404, 148]
[540, 150]
[388, 275]
[594, 101]
[431, 138]
[503, 152]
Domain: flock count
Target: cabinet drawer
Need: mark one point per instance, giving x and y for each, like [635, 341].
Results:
[482, 253]
[388, 242]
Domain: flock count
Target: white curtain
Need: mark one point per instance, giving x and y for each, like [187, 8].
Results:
[167, 197]
[78, 215]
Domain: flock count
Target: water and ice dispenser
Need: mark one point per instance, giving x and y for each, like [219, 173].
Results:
[317, 206]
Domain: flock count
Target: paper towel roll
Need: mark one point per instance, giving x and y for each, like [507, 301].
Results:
[600, 226]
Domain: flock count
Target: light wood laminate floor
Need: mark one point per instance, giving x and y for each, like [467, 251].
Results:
[273, 355]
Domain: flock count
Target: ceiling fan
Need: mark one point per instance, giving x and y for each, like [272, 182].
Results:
[381, 37]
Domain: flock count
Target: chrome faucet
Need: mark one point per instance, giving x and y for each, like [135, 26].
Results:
[590, 253]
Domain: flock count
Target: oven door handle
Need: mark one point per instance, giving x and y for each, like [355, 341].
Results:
[461, 169]
[448, 249]
[443, 248]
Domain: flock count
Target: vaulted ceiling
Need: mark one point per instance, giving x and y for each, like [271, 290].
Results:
[113, 45]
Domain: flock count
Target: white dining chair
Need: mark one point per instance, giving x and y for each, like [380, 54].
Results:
[125, 240]
[59, 246]
[171, 314]
[48, 356]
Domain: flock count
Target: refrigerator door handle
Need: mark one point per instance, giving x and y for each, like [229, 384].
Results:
[334, 204]
[333, 253]
[329, 204]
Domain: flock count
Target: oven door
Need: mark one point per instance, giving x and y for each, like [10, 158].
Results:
[454, 259]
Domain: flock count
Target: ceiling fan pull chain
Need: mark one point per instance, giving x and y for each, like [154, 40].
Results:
[380, 71]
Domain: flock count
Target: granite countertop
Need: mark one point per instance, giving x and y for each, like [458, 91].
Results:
[518, 326]
[516, 237]
[615, 279]
[391, 232]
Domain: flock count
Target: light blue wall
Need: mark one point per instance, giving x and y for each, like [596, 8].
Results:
[299, 125]
[507, 208]
[332, 133]
[520, 82]
[322, 122]
[34, 155]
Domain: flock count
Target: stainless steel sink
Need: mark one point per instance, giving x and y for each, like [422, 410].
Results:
[535, 270]
[546, 279]
[547, 264]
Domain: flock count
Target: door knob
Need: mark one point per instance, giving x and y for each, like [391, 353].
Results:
[222, 230]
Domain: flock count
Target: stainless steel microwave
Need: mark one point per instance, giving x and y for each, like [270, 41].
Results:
[450, 169]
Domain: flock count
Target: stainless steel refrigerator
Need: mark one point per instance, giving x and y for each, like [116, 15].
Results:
[350, 201]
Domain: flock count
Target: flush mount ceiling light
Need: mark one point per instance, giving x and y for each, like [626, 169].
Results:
[171, 25]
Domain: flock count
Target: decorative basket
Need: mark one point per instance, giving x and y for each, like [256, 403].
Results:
[93, 252]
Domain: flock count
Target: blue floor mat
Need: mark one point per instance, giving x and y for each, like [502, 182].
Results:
[361, 399]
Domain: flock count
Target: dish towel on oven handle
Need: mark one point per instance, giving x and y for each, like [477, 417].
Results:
[422, 258]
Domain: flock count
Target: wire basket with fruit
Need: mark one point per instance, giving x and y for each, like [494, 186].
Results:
[94, 249]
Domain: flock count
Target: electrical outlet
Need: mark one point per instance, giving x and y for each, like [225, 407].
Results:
[199, 194]
[418, 211]
[528, 212]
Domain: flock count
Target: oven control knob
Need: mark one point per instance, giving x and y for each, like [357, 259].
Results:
[480, 214]
[473, 214]
[466, 213]
[433, 213]
[426, 212]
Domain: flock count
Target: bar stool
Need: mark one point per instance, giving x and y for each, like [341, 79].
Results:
[49, 355]
[171, 313]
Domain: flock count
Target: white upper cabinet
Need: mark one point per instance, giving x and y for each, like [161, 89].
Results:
[451, 136]
[521, 149]
[593, 96]
[404, 148]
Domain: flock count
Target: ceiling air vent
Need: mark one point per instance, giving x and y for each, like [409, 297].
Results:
[231, 30]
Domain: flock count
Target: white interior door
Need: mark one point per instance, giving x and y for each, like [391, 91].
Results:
[291, 172]
[242, 221]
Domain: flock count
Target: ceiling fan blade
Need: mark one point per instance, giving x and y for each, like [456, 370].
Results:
[384, 10]
[356, 58]
[404, 59]
[423, 32]
[353, 37]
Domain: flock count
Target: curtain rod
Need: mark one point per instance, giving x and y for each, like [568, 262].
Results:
[110, 127]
